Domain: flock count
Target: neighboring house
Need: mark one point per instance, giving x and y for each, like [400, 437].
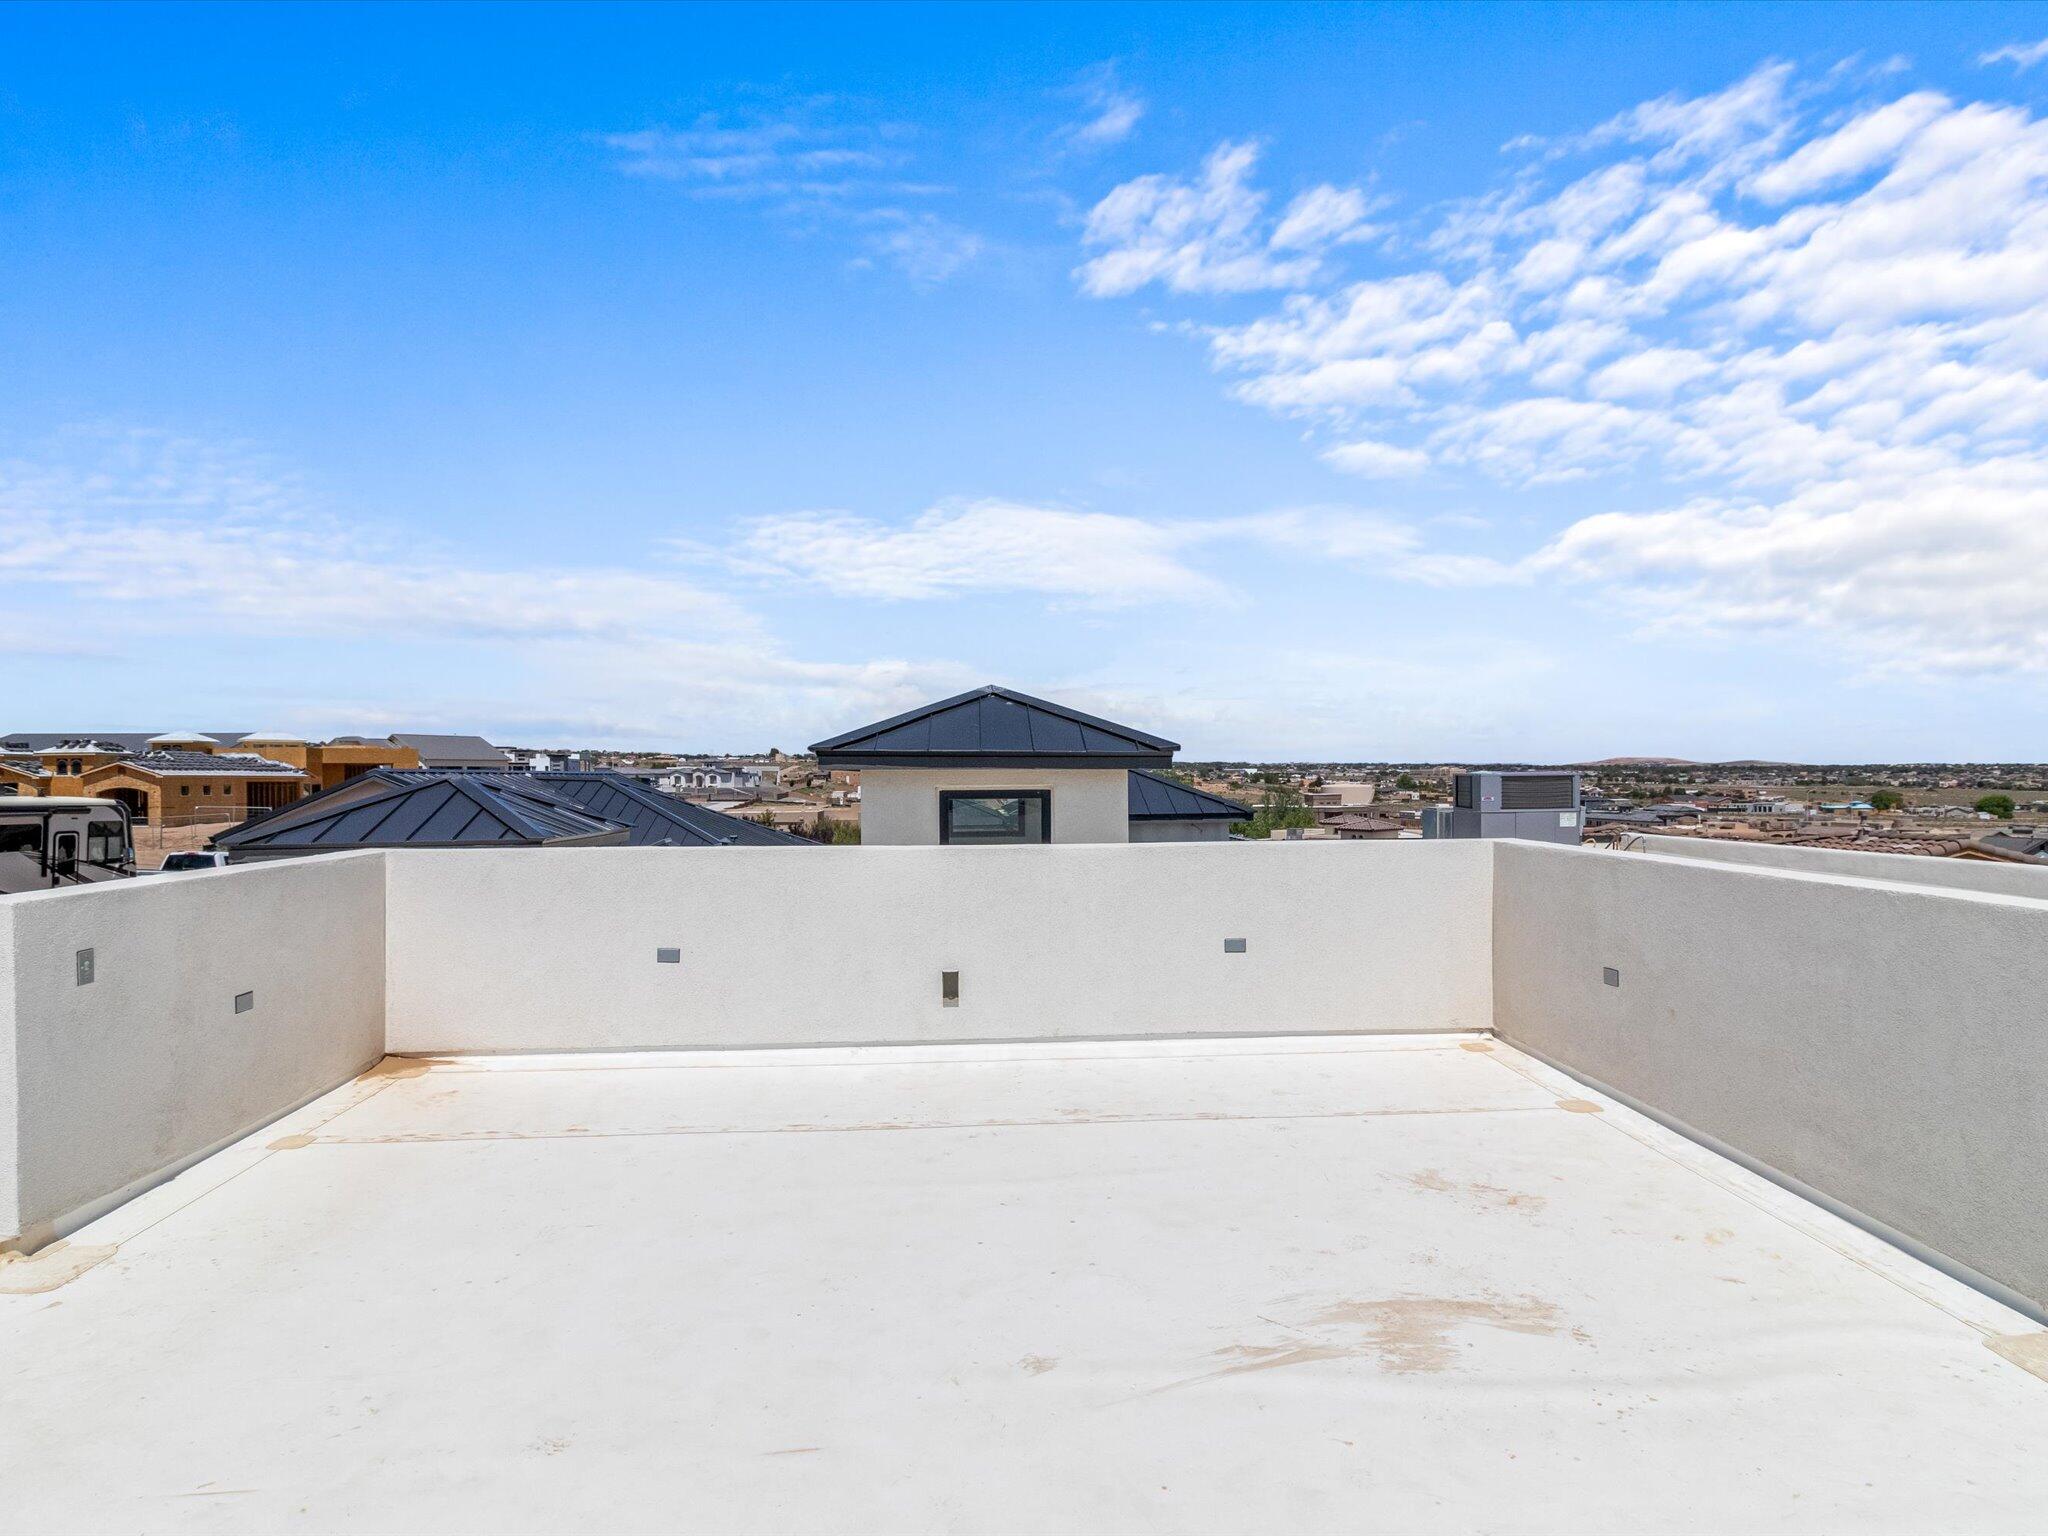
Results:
[1356, 828]
[172, 783]
[472, 753]
[1647, 816]
[543, 762]
[799, 813]
[655, 820]
[686, 777]
[2016, 844]
[66, 759]
[1338, 801]
[995, 766]
[329, 763]
[22, 776]
[613, 804]
[1632, 817]
[1763, 805]
[1339, 794]
[432, 810]
[1164, 810]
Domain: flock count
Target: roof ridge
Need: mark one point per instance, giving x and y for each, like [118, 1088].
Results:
[1140, 744]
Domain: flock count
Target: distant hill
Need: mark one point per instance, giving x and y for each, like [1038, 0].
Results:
[1639, 762]
[1685, 762]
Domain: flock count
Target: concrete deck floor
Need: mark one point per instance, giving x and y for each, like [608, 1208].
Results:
[1325, 1284]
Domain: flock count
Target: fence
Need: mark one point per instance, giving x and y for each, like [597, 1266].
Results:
[184, 832]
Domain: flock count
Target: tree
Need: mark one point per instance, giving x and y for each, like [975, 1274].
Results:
[1282, 808]
[1887, 800]
[1406, 781]
[2000, 806]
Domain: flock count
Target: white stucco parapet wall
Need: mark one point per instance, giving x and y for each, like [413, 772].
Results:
[1998, 877]
[546, 949]
[114, 1082]
[1879, 1043]
[1875, 1041]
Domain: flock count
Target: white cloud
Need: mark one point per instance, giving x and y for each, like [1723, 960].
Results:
[815, 169]
[1113, 111]
[1330, 533]
[1653, 373]
[158, 549]
[795, 157]
[1209, 235]
[1097, 558]
[1069, 557]
[1322, 216]
[1376, 460]
[929, 249]
[1823, 330]
[1940, 574]
[2021, 56]
[152, 529]
[1722, 130]
[1869, 140]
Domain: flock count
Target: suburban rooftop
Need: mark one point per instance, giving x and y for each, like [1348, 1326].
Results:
[1047, 1188]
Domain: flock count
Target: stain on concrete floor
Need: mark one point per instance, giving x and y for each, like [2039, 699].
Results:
[1406, 1335]
[1478, 1192]
[50, 1266]
[2028, 1351]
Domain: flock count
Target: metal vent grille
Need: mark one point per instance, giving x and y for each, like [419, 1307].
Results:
[1536, 792]
[1466, 786]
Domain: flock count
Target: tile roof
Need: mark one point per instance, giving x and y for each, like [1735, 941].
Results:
[995, 727]
[1855, 842]
[1364, 824]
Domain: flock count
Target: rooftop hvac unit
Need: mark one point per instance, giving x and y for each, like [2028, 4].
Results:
[1539, 805]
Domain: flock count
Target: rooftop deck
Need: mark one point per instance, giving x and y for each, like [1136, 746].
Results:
[1318, 1282]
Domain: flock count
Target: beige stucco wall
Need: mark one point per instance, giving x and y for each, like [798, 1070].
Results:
[899, 807]
[554, 949]
[1878, 1042]
[115, 1083]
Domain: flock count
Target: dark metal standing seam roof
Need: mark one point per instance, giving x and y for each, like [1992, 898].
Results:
[1156, 798]
[449, 810]
[600, 797]
[997, 728]
[653, 819]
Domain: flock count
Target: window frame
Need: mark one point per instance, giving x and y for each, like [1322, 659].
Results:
[948, 796]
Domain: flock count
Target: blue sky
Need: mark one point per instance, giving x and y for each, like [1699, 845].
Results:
[1377, 382]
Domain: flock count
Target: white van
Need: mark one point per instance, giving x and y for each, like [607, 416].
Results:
[48, 842]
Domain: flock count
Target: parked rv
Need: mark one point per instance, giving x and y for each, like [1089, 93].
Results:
[48, 842]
